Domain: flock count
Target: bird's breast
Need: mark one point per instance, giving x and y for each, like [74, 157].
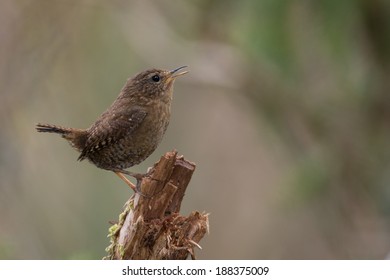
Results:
[142, 142]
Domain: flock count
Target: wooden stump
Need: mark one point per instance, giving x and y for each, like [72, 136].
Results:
[150, 227]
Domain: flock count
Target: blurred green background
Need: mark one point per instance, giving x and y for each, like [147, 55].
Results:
[286, 112]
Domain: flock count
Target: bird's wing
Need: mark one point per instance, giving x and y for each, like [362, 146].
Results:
[109, 129]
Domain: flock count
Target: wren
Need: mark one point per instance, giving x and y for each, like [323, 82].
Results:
[130, 129]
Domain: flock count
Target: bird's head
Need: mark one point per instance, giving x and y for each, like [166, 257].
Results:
[152, 84]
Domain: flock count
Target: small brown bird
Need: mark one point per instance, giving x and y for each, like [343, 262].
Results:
[130, 129]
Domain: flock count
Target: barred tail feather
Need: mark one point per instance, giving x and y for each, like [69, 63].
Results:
[76, 137]
[52, 129]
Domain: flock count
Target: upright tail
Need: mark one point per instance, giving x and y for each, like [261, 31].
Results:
[76, 137]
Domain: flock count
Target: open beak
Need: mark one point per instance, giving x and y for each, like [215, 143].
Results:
[175, 73]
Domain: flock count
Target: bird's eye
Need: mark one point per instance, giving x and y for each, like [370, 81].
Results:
[156, 78]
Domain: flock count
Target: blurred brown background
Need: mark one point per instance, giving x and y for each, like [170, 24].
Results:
[286, 112]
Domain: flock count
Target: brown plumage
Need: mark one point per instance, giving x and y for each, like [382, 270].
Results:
[131, 128]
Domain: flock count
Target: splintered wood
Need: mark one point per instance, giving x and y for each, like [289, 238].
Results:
[150, 227]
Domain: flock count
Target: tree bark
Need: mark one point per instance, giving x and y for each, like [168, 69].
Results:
[150, 227]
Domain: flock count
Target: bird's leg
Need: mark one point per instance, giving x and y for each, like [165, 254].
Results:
[127, 181]
[137, 176]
